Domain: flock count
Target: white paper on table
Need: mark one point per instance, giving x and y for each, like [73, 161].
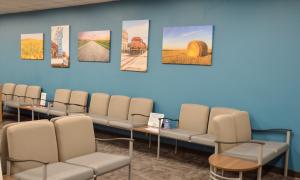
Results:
[43, 99]
[154, 119]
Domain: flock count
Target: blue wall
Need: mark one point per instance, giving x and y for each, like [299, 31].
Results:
[255, 57]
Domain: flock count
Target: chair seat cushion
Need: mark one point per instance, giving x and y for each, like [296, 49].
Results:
[179, 134]
[98, 119]
[205, 139]
[124, 124]
[13, 104]
[249, 151]
[57, 171]
[101, 162]
[40, 109]
[57, 112]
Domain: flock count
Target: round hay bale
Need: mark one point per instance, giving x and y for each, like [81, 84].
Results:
[197, 49]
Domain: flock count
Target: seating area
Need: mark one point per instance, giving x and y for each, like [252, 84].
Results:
[149, 90]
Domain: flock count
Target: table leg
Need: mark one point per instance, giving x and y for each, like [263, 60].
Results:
[149, 145]
[241, 175]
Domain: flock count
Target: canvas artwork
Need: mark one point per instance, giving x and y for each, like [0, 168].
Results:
[60, 56]
[32, 46]
[134, 49]
[94, 46]
[187, 45]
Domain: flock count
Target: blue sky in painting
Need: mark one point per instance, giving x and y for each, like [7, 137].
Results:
[137, 28]
[179, 37]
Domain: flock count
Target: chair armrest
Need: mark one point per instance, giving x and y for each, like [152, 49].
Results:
[240, 142]
[121, 139]
[140, 115]
[287, 132]
[27, 160]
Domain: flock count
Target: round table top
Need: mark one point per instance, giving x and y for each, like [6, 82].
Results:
[228, 163]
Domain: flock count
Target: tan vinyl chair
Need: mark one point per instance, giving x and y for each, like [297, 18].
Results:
[33, 154]
[8, 91]
[192, 121]
[234, 138]
[57, 107]
[18, 99]
[78, 102]
[80, 148]
[99, 108]
[136, 106]
[208, 138]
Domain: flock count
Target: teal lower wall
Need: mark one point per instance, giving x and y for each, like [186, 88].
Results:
[255, 57]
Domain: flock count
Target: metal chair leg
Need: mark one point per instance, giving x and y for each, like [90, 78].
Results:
[286, 163]
[129, 172]
[259, 172]
[158, 146]
[32, 115]
[19, 114]
[176, 144]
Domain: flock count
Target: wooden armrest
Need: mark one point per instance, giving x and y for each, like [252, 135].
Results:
[140, 115]
[73, 104]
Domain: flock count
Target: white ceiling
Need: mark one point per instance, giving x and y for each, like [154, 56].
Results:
[15, 6]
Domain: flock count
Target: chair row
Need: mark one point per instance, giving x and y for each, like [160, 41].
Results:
[55, 150]
[20, 95]
[228, 130]
[118, 111]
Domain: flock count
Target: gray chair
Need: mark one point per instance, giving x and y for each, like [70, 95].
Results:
[8, 91]
[18, 98]
[58, 106]
[234, 138]
[193, 121]
[38, 159]
[80, 148]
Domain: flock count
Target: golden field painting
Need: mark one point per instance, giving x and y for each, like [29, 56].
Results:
[187, 45]
[32, 46]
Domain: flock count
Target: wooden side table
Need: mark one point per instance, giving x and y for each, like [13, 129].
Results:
[231, 164]
[147, 130]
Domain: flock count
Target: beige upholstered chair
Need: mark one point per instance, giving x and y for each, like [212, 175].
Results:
[80, 148]
[33, 154]
[208, 137]
[98, 108]
[57, 107]
[193, 121]
[78, 102]
[136, 106]
[19, 99]
[8, 91]
[234, 138]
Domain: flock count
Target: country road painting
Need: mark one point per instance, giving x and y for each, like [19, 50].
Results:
[32, 46]
[94, 46]
[187, 45]
[134, 49]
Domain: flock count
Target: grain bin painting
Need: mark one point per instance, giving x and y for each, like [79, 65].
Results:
[134, 45]
[187, 45]
[60, 56]
[94, 46]
[32, 46]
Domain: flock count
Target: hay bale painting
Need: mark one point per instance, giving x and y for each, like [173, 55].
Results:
[187, 45]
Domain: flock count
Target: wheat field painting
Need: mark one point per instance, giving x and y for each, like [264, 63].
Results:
[32, 46]
[187, 45]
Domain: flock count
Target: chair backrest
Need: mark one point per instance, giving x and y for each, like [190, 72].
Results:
[215, 111]
[63, 96]
[234, 127]
[8, 88]
[20, 92]
[34, 140]
[194, 117]
[140, 106]
[99, 104]
[118, 107]
[4, 147]
[78, 98]
[32, 95]
[75, 136]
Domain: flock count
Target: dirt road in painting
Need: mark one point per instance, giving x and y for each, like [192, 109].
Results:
[134, 63]
[92, 51]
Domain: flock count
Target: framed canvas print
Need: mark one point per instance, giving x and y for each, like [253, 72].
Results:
[187, 45]
[134, 49]
[32, 46]
[94, 46]
[60, 55]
